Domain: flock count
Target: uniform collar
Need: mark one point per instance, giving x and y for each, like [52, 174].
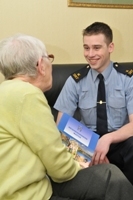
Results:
[105, 73]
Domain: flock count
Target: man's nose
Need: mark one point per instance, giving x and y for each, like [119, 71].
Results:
[91, 53]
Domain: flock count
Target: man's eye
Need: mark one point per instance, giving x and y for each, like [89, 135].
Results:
[97, 47]
[86, 48]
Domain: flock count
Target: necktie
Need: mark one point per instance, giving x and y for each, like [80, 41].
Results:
[102, 126]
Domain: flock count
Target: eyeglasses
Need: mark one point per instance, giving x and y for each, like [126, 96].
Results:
[50, 57]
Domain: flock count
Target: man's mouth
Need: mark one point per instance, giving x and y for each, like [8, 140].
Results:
[93, 61]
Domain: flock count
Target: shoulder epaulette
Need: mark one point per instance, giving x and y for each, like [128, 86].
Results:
[81, 73]
[127, 70]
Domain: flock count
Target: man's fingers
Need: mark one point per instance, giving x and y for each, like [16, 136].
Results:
[98, 158]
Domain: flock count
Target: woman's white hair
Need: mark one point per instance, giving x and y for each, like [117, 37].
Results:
[19, 55]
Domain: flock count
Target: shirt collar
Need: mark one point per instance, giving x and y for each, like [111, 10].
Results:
[105, 73]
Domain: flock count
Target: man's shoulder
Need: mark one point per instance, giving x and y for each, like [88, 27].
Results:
[80, 74]
[124, 69]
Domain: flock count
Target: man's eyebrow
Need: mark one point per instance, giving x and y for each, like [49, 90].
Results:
[85, 45]
[98, 45]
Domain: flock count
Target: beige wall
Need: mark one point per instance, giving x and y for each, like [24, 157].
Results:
[60, 27]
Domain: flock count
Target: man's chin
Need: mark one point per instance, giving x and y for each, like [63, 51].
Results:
[93, 66]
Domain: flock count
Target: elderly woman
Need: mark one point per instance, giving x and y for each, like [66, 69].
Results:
[34, 164]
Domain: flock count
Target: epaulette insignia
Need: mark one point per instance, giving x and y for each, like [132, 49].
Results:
[81, 73]
[127, 70]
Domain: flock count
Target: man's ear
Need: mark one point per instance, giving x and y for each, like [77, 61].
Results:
[111, 47]
[41, 66]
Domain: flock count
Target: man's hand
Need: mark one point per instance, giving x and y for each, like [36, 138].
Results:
[101, 151]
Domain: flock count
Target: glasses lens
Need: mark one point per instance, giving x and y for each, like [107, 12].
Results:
[51, 57]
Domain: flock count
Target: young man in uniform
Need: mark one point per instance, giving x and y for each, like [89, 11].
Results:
[114, 121]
